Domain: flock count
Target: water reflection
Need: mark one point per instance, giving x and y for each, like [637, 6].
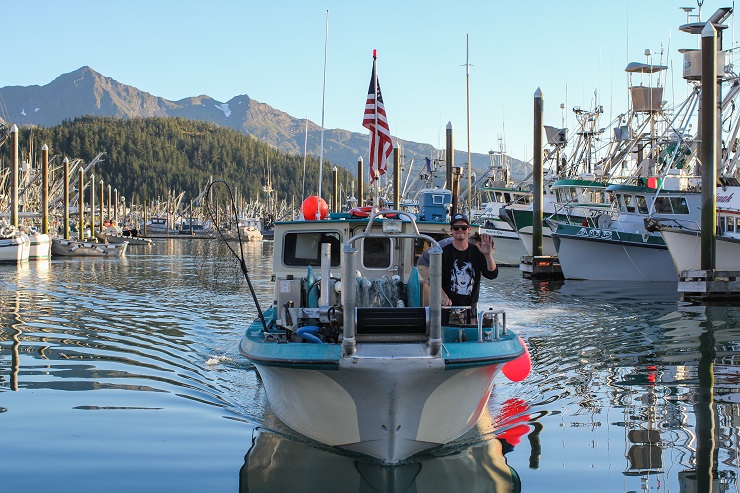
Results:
[629, 390]
[278, 463]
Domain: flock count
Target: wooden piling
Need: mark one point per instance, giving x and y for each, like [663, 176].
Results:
[537, 174]
[81, 205]
[92, 206]
[14, 176]
[45, 189]
[449, 155]
[101, 202]
[396, 177]
[65, 163]
[708, 147]
[334, 190]
[360, 183]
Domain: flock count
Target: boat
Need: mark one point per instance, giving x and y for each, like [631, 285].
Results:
[15, 245]
[371, 369]
[159, 226]
[39, 246]
[615, 245]
[497, 192]
[568, 200]
[114, 234]
[250, 229]
[683, 240]
[61, 247]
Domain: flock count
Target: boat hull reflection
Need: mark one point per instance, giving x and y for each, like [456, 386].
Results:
[278, 463]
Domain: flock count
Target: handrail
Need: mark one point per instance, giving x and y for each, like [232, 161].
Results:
[349, 295]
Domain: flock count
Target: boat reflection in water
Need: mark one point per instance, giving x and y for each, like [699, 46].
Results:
[277, 463]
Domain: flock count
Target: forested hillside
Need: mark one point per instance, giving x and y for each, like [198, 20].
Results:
[148, 157]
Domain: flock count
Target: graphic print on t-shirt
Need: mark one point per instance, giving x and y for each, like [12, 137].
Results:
[461, 281]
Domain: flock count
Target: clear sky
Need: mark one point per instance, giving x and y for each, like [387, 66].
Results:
[273, 51]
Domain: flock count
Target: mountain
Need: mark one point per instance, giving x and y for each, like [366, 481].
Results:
[86, 92]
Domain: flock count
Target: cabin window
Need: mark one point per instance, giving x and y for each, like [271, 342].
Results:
[627, 203]
[663, 205]
[722, 224]
[376, 253]
[731, 225]
[642, 207]
[507, 198]
[303, 249]
[679, 205]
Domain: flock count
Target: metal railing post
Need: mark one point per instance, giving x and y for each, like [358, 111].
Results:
[435, 300]
[349, 299]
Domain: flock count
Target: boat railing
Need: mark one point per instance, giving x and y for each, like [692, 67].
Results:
[392, 228]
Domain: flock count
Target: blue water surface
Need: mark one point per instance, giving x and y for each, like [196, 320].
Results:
[124, 375]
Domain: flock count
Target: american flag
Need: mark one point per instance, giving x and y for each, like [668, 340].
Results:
[375, 120]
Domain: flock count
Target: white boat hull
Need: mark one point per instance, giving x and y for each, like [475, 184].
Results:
[509, 248]
[594, 259]
[685, 249]
[548, 246]
[40, 247]
[385, 407]
[15, 248]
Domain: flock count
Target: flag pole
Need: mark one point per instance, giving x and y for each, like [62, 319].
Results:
[376, 147]
[323, 107]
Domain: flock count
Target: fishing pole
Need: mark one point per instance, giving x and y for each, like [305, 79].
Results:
[239, 256]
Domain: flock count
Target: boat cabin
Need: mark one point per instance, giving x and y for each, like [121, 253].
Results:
[644, 200]
[298, 246]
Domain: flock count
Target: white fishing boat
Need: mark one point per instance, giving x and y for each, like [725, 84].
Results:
[250, 229]
[567, 200]
[683, 240]
[40, 245]
[15, 245]
[497, 192]
[159, 226]
[615, 245]
[357, 357]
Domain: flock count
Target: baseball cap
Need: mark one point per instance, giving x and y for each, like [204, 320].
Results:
[459, 217]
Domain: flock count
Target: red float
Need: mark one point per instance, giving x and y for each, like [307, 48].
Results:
[518, 369]
[311, 205]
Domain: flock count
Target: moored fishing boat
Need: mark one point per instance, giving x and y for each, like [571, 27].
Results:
[357, 357]
[566, 200]
[683, 240]
[615, 245]
[39, 246]
[497, 192]
[15, 245]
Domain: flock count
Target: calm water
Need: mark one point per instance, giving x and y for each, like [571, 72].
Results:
[126, 376]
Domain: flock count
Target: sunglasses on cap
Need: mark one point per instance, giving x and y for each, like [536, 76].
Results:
[463, 227]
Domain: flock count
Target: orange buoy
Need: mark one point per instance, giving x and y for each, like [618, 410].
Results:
[311, 205]
[518, 369]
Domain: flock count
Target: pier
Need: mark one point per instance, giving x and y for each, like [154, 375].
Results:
[541, 267]
[709, 285]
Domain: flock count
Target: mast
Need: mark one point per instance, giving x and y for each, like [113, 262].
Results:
[467, 87]
[323, 107]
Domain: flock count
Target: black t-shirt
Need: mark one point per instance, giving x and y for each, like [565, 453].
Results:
[461, 273]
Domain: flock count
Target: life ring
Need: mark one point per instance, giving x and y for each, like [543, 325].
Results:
[360, 211]
[366, 211]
